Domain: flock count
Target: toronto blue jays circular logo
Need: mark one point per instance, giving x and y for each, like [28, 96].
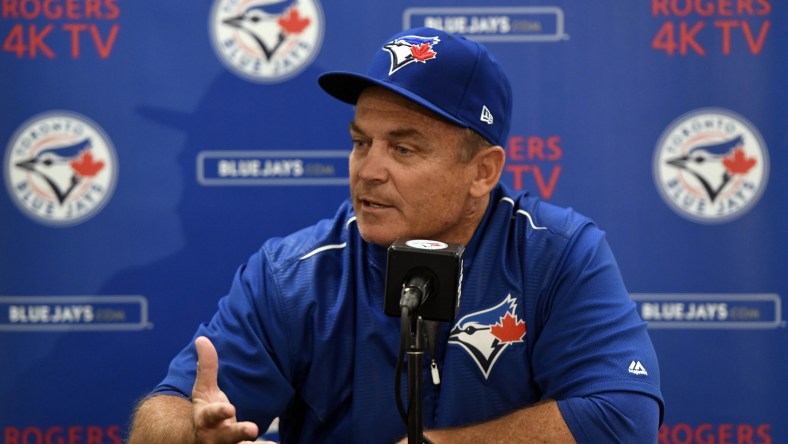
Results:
[60, 168]
[424, 244]
[711, 165]
[266, 41]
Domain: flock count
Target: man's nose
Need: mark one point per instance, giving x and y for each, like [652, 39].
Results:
[373, 166]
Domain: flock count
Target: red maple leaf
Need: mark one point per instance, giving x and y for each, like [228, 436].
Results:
[85, 166]
[738, 163]
[422, 52]
[509, 330]
[292, 22]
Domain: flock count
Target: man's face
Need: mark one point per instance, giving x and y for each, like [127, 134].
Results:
[405, 176]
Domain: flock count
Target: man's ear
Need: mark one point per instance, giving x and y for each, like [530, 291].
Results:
[489, 166]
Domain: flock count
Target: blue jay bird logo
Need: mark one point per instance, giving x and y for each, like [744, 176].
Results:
[487, 333]
[266, 24]
[410, 49]
[714, 164]
[711, 165]
[63, 167]
[60, 168]
[266, 40]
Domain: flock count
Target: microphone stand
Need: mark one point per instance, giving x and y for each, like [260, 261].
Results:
[414, 292]
[414, 331]
[415, 359]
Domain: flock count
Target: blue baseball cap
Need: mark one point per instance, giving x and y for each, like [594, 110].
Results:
[457, 78]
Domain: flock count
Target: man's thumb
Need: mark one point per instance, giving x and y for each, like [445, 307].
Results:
[207, 367]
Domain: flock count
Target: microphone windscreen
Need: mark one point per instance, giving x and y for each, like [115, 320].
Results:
[440, 262]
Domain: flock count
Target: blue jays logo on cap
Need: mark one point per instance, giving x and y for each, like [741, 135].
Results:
[485, 334]
[410, 49]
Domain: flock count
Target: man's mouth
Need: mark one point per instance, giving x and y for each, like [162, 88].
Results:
[367, 203]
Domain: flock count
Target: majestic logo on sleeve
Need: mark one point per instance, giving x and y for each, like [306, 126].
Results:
[487, 333]
[711, 165]
[410, 49]
[267, 41]
[60, 168]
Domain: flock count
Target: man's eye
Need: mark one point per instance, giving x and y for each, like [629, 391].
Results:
[359, 144]
[403, 150]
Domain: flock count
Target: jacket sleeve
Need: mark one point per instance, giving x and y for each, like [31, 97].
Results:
[593, 353]
[612, 417]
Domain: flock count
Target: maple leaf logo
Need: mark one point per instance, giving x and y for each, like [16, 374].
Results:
[509, 329]
[292, 22]
[422, 52]
[738, 163]
[85, 166]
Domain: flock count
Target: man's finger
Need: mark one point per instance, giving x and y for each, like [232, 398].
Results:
[207, 368]
[238, 432]
[250, 430]
[218, 421]
[211, 415]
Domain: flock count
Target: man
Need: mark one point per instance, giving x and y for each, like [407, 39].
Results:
[547, 345]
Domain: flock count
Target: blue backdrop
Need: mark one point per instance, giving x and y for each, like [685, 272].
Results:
[150, 147]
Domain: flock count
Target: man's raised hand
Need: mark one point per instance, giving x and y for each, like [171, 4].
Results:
[214, 415]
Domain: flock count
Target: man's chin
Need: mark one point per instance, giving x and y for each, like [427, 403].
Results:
[383, 242]
[377, 238]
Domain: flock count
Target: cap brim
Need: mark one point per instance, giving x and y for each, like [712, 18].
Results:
[347, 87]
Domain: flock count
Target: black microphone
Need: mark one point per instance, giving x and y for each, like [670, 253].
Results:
[426, 277]
[416, 289]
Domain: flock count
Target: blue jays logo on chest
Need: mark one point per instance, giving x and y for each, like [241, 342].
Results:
[485, 334]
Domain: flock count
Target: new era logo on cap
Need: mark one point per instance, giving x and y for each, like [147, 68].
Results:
[486, 116]
[456, 78]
